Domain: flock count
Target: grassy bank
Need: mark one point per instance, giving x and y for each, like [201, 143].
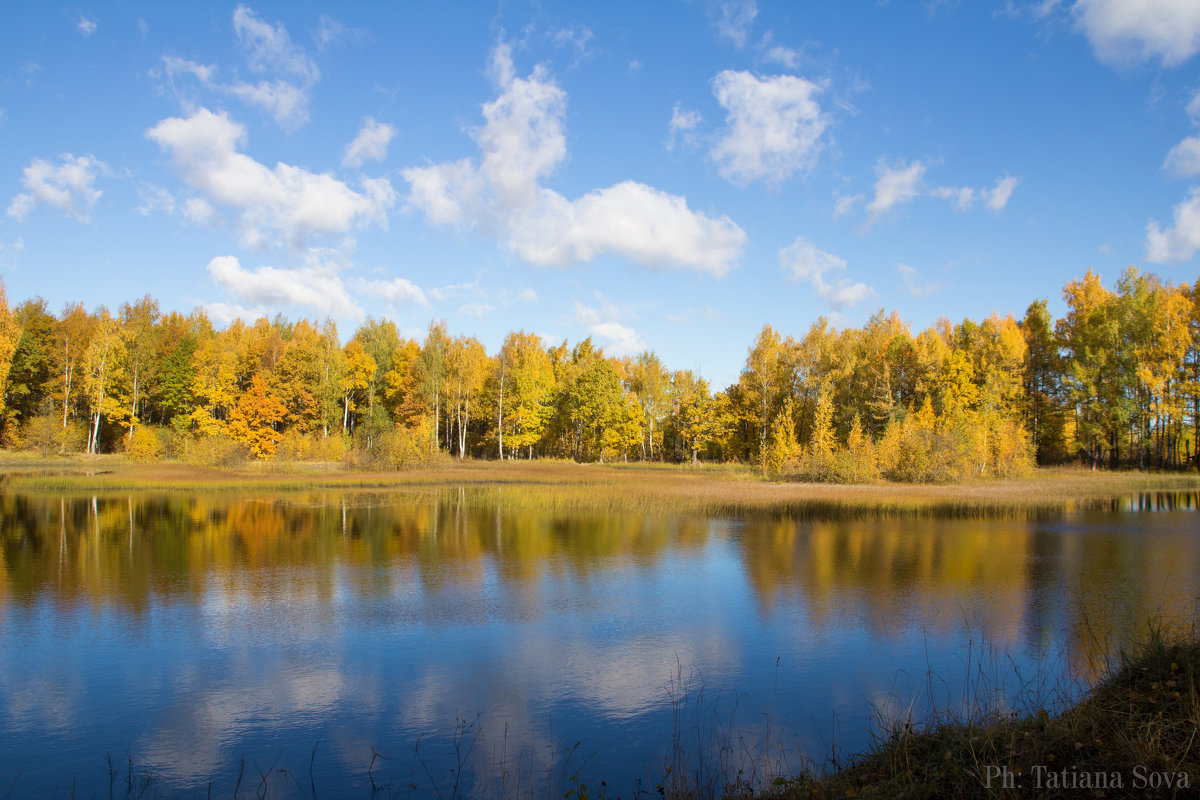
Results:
[633, 488]
[1133, 735]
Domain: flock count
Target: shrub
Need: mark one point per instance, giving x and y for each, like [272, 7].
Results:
[145, 445]
[216, 450]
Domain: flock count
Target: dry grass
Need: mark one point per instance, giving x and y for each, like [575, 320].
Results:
[635, 488]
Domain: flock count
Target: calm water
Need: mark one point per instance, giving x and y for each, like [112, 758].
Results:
[187, 633]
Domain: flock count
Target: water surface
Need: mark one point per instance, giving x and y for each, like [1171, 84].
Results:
[335, 639]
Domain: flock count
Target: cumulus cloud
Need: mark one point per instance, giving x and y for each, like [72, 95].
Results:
[371, 144]
[283, 201]
[476, 310]
[1181, 241]
[1130, 31]
[909, 275]
[683, 123]
[734, 19]
[522, 142]
[316, 286]
[1184, 159]
[774, 126]
[803, 261]
[69, 186]
[396, 292]
[86, 26]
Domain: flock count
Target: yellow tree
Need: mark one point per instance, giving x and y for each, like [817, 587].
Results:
[10, 334]
[139, 334]
[74, 333]
[256, 417]
[523, 380]
[466, 370]
[102, 365]
[360, 370]
[215, 379]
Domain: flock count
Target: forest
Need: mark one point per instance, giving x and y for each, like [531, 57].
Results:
[1114, 383]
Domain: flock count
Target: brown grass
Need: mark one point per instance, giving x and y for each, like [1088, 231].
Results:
[633, 488]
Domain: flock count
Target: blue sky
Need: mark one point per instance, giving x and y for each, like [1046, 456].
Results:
[666, 175]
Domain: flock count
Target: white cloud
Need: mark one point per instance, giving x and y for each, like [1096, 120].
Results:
[845, 204]
[903, 183]
[176, 66]
[371, 144]
[682, 124]
[440, 293]
[448, 193]
[522, 142]
[527, 295]
[632, 220]
[86, 26]
[396, 292]
[734, 20]
[909, 275]
[963, 197]
[1130, 31]
[331, 31]
[997, 197]
[268, 47]
[476, 310]
[803, 261]
[225, 313]
[1181, 241]
[602, 323]
[69, 187]
[316, 286]
[1193, 107]
[577, 39]
[619, 340]
[774, 53]
[155, 198]
[200, 212]
[283, 201]
[284, 101]
[1184, 159]
[774, 126]
[895, 186]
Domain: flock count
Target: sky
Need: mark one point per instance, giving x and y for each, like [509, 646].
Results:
[667, 176]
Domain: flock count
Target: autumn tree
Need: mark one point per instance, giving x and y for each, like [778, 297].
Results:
[103, 366]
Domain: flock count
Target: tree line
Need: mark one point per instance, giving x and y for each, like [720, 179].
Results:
[1115, 382]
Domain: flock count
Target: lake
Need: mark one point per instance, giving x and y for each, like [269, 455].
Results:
[419, 641]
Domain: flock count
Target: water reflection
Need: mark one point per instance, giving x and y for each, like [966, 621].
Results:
[190, 630]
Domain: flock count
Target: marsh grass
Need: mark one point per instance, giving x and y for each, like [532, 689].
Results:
[715, 490]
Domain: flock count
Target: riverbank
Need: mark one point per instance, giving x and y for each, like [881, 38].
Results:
[1133, 735]
[545, 485]
[719, 489]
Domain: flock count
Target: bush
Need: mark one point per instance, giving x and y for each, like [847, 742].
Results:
[216, 450]
[145, 445]
[400, 447]
[313, 446]
[45, 434]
